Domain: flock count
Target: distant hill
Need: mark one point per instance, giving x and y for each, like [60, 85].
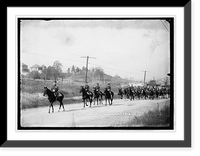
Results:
[104, 78]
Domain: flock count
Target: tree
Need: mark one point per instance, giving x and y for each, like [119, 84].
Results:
[78, 69]
[99, 73]
[83, 70]
[34, 75]
[73, 69]
[58, 66]
[51, 73]
[58, 69]
[68, 70]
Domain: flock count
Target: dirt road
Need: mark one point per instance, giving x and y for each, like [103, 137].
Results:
[75, 115]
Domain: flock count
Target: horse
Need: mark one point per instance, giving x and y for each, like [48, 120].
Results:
[98, 95]
[86, 95]
[127, 92]
[131, 93]
[109, 95]
[120, 93]
[52, 98]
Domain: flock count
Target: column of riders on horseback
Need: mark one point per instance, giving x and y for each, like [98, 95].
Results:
[96, 96]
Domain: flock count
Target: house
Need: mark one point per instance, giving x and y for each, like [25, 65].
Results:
[152, 83]
[35, 67]
[25, 69]
[43, 67]
[24, 66]
[38, 68]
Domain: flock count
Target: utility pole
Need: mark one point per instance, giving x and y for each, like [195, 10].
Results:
[145, 75]
[87, 65]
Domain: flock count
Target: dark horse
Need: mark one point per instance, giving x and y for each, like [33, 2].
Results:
[52, 98]
[109, 95]
[98, 95]
[86, 95]
[131, 93]
[120, 93]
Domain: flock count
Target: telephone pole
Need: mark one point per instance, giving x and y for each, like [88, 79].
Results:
[87, 65]
[145, 75]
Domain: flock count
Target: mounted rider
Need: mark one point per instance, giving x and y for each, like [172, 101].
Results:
[120, 90]
[55, 89]
[97, 88]
[108, 88]
[87, 88]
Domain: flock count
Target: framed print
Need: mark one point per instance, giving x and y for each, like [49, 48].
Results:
[98, 76]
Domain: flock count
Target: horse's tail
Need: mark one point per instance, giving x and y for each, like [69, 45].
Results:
[62, 94]
[112, 95]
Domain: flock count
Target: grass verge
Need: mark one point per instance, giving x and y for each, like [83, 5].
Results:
[155, 117]
[34, 100]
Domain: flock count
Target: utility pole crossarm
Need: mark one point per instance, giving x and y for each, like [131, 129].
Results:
[93, 57]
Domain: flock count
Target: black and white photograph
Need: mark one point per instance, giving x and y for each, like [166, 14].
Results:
[107, 73]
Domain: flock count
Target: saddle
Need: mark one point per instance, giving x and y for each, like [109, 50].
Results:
[89, 93]
[57, 94]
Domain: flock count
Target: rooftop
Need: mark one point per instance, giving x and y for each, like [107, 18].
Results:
[35, 66]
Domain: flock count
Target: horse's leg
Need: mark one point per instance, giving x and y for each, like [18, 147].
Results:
[59, 106]
[86, 102]
[52, 107]
[111, 98]
[90, 99]
[63, 106]
[49, 108]
[89, 102]
[83, 103]
[109, 101]
[101, 99]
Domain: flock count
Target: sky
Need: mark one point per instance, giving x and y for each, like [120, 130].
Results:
[125, 48]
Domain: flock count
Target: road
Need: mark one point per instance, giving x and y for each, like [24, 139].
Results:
[117, 115]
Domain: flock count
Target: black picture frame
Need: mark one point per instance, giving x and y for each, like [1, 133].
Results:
[4, 142]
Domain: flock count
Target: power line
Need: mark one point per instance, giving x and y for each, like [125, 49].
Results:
[39, 46]
[114, 69]
[54, 57]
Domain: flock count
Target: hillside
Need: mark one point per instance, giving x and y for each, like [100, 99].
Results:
[92, 78]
